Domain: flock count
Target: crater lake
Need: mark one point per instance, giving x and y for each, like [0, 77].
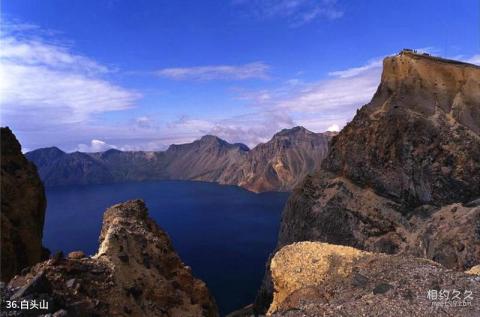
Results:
[225, 233]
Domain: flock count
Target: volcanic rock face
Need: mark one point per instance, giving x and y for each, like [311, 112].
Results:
[320, 279]
[135, 272]
[204, 159]
[418, 141]
[277, 165]
[404, 175]
[281, 163]
[334, 209]
[412, 150]
[23, 209]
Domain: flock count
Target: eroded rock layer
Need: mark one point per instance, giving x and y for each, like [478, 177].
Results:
[418, 140]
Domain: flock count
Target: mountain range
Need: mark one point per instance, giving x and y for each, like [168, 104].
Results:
[277, 165]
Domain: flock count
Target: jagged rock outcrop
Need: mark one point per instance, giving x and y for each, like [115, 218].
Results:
[22, 211]
[135, 272]
[418, 140]
[334, 209]
[281, 163]
[277, 165]
[413, 149]
[320, 279]
[403, 177]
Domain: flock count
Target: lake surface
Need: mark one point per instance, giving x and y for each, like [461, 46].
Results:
[225, 233]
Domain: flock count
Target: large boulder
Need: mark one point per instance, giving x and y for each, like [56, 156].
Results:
[320, 279]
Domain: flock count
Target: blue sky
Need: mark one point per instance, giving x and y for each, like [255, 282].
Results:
[90, 75]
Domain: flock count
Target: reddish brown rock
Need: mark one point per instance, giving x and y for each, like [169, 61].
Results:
[418, 140]
[281, 163]
[404, 175]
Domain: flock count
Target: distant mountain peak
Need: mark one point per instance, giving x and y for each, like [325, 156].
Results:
[53, 149]
[211, 138]
[293, 131]
[215, 140]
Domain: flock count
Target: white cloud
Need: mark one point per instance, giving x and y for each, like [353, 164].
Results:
[95, 146]
[334, 128]
[250, 129]
[123, 145]
[46, 84]
[346, 90]
[475, 59]
[257, 70]
[356, 71]
[297, 12]
[318, 106]
[144, 122]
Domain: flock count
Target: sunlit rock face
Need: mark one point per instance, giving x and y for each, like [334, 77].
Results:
[321, 279]
[404, 175]
[281, 163]
[136, 272]
[417, 141]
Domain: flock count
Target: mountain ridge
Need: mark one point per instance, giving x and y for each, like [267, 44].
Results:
[276, 165]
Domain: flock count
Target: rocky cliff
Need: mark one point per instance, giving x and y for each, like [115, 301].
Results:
[281, 163]
[135, 272]
[22, 211]
[320, 279]
[417, 141]
[277, 165]
[403, 177]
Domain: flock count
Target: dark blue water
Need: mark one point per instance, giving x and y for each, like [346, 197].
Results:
[224, 233]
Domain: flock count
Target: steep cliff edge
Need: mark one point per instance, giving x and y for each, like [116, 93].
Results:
[418, 140]
[403, 177]
[414, 149]
[22, 211]
[281, 163]
[320, 279]
[135, 272]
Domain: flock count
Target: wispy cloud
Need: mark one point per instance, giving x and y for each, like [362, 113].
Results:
[250, 128]
[45, 82]
[322, 105]
[474, 59]
[356, 71]
[297, 12]
[345, 90]
[95, 146]
[319, 106]
[256, 70]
